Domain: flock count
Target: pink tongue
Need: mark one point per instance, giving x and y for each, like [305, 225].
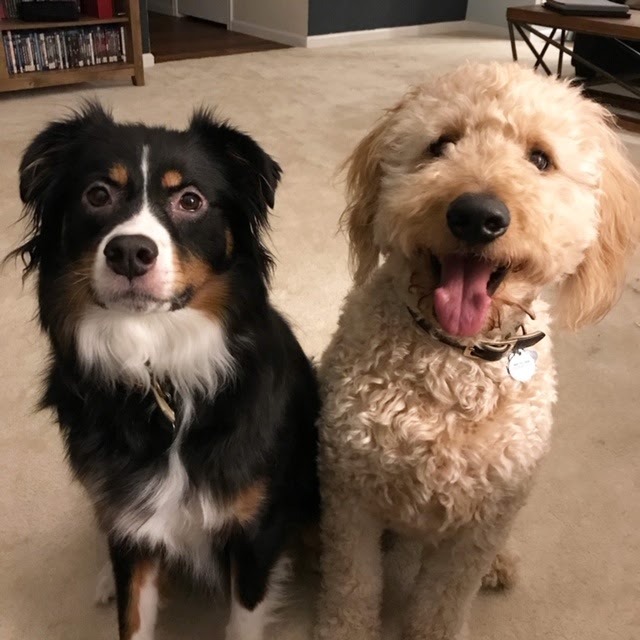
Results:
[462, 301]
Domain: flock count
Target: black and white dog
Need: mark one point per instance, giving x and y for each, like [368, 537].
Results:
[186, 404]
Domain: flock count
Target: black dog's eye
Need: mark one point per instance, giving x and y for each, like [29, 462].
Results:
[98, 196]
[437, 148]
[187, 202]
[540, 160]
[190, 201]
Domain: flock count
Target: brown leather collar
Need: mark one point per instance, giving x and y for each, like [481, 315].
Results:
[491, 351]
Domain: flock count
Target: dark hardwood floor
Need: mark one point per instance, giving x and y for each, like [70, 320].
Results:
[182, 38]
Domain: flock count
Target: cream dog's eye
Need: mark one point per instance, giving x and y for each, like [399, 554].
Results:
[540, 160]
[437, 148]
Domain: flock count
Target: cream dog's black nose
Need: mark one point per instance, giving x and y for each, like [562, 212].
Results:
[131, 255]
[478, 218]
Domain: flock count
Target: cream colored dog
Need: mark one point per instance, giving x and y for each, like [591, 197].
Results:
[480, 189]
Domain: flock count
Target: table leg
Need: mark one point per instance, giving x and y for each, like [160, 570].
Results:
[512, 37]
[525, 37]
[563, 35]
[544, 49]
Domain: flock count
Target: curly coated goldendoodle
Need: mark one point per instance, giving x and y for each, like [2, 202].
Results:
[480, 189]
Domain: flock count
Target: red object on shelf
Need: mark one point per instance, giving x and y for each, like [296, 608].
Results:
[98, 8]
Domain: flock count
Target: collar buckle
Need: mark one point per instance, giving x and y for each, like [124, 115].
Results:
[489, 350]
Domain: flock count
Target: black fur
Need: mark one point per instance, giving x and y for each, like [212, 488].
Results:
[259, 427]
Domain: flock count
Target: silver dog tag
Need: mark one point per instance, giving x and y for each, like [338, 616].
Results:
[522, 364]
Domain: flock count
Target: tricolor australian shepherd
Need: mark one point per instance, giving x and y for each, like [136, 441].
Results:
[186, 405]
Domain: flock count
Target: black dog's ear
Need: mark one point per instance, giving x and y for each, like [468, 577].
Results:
[255, 173]
[41, 170]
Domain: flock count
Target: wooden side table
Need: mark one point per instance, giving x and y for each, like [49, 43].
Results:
[524, 20]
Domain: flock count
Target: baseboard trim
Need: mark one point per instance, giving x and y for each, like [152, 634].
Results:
[258, 31]
[352, 37]
[435, 28]
[148, 60]
[486, 29]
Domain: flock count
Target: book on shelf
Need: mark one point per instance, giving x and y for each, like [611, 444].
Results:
[601, 8]
[68, 48]
[8, 9]
[97, 8]
[48, 10]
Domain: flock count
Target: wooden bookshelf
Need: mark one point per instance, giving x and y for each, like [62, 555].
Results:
[83, 21]
[132, 68]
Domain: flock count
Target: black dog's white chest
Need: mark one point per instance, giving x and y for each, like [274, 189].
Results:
[170, 513]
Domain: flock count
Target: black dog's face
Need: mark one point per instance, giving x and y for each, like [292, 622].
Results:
[139, 212]
[142, 219]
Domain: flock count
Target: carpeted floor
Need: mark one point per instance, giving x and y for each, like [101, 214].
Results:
[580, 535]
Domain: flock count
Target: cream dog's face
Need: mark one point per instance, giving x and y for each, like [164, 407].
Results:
[495, 182]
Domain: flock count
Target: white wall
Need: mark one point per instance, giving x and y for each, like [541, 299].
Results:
[492, 11]
[280, 20]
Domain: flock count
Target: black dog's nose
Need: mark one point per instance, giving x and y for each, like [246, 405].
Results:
[131, 256]
[478, 218]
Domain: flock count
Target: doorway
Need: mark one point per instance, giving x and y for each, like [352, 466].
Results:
[185, 29]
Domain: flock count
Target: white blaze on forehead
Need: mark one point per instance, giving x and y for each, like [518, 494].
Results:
[144, 166]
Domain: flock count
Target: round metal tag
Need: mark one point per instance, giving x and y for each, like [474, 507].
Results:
[522, 364]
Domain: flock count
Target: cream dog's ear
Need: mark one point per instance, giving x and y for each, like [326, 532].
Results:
[364, 173]
[589, 294]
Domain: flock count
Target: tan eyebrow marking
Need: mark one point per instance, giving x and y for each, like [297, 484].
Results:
[119, 174]
[171, 179]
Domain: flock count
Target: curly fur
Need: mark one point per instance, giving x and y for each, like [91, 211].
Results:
[416, 437]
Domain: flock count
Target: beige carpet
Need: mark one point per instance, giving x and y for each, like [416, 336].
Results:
[580, 535]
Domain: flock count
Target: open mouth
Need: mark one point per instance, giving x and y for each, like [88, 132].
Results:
[463, 297]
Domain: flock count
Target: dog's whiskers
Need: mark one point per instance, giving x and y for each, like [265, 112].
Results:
[519, 305]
